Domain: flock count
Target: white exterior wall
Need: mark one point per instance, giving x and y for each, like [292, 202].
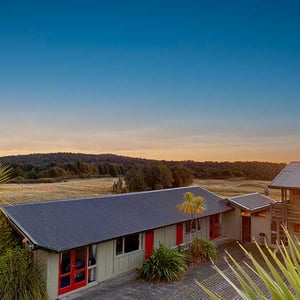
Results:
[166, 236]
[50, 262]
[105, 260]
[261, 224]
[231, 226]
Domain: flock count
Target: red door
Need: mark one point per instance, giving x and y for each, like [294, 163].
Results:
[149, 241]
[179, 234]
[72, 270]
[214, 230]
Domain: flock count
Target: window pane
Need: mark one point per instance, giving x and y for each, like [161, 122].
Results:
[92, 274]
[92, 254]
[132, 242]
[199, 224]
[65, 262]
[187, 227]
[296, 228]
[80, 258]
[79, 277]
[194, 225]
[64, 281]
[119, 246]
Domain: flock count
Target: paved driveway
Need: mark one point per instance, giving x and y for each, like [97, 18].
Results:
[126, 287]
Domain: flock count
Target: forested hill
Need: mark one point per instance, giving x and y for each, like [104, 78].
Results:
[77, 165]
[45, 159]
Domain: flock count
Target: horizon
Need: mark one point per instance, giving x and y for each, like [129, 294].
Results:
[145, 158]
[202, 81]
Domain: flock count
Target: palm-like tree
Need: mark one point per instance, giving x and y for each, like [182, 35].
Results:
[192, 205]
[5, 175]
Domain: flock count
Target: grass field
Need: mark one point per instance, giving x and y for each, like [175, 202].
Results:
[16, 193]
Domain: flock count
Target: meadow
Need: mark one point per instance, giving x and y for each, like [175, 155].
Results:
[17, 193]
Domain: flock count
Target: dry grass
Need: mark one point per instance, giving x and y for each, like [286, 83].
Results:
[236, 186]
[17, 193]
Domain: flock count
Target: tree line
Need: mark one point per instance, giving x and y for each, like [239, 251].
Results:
[135, 171]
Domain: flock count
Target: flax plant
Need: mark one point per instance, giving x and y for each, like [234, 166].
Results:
[280, 276]
[5, 175]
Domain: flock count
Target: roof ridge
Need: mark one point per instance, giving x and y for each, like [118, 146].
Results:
[254, 193]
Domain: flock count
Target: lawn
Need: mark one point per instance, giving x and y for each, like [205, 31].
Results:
[16, 193]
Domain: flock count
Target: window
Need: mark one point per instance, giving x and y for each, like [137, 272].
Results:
[92, 254]
[273, 232]
[132, 242]
[196, 226]
[128, 244]
[261, 214]
[187, 227]
[296, 228]
[245, 214]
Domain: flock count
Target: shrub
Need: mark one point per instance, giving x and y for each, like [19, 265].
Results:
[20, 278]
[203, 250]
[165, 264]
[8, 238]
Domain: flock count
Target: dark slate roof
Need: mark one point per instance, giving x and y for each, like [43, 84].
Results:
[252, 202]
[66, 224]
[289, 177]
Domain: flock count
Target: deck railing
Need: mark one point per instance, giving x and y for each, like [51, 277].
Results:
[289, 212]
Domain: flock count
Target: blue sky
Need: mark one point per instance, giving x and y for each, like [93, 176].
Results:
[202, 80]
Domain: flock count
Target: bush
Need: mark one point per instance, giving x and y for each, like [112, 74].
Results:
[8, 238]
[20, 278]
[165, 264]
[202, 250]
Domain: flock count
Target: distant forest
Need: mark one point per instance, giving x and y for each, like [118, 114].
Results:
[60, 166]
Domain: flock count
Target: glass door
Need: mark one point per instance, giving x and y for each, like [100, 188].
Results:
[79, 267]
[72, 270]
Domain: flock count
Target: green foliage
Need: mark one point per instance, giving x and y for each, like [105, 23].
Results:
[153, 177]
[192, 204]
[165, 264]
[79, 165]
[280, 275]
[182, 176]
[8, 238]
[135, 180]
[118, 187]
[20, 278]
[202, 250]
[5, 174]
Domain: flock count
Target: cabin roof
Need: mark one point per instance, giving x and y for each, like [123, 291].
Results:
[288, 178]
[252, 202]
[66, 224]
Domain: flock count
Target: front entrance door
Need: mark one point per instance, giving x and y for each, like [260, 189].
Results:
[72, 270]
[214, 229]
[246, 228]
[149, 242]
